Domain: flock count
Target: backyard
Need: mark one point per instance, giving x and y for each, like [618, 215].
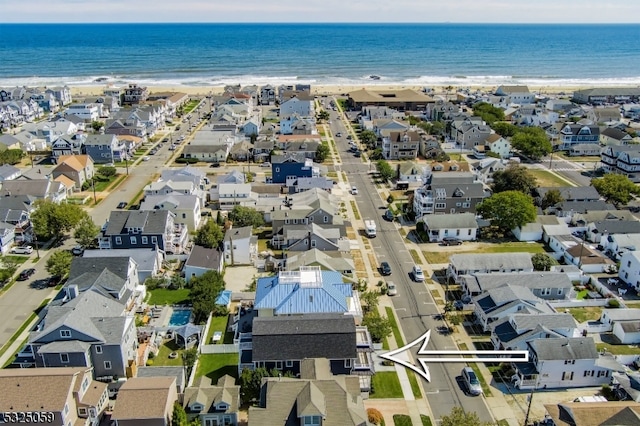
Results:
[215, 366]
[544, 178]
[219, 324]
[165, 296]
[507, 247]
[585, 313]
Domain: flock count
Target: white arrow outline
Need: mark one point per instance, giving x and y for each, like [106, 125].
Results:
[507, 355]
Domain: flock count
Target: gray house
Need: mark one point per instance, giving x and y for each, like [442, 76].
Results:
[213, 404]
[105, 149]
[306, 237]
[545, 285]
[148, 261]
[201, 260]
[471, 264]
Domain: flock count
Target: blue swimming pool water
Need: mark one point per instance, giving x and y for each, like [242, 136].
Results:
[180, 317]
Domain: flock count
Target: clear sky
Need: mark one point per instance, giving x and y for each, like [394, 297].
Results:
[490, 11]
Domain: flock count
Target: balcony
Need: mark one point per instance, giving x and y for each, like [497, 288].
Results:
[104, 243]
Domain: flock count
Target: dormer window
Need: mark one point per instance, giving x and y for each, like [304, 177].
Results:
[311, 420]
[197, 407]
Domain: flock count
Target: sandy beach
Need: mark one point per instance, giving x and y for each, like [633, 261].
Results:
[96, 90]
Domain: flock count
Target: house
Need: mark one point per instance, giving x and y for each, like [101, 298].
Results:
[601, 115]
[603, 95]
[412, 172]
[599, 230]
[493, 143]
[569, 193]
[105, 149]
[469, 264]
[262, 149]
[533, 231]
[301, 184]
[213, 403]
[44, 189]
[618, 244]
[568, 209]
[283, 342]
[573, 134]
[626, 386]
[291, 164]
[207, 153]
[201, 260]
[7, 237]
[240, 246]
[469, 132]
[461, 225]
[144, 229]
[87, 112]
[316, 398]
[445, 195]
[622, 159]
[64, 396]
[185, 207]
[15, 211]
[306, 144]
[613, 136]
[229, 195]
[304, 237]
[68, 145]
[267, 95]
[148, 261]
[8, 141]
[594, 413]
[400, 99]
[383, 127]
[134, 94]
[517, 94]
[300, 105]
[584, 150]
[514, 331]
[545, 285]
[586, 258]
[241, 151]
[327, 261]
[145, 401]
[9, 172]
[563, 363]
[625, 324]
[498, 302]
[78, 168]
[629, 271]
[401, 145]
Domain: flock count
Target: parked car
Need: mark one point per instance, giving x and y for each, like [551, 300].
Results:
[451, 241]
[26, 274]
[77, 250]
[385, 269]
[392, 290]
[122, 204]
[471, 381]
[215, 164]
[22, 250]
[418, 275]
[339, 135]
[265, 164]
[358, 154]
[354, 190]
[145, 158]
[53, 280]
[388, 215]
[458, 305]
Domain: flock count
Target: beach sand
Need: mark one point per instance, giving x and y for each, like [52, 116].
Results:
[96, 90]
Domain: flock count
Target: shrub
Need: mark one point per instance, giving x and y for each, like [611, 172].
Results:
[613, 303]
[374, 416]
[152, 355]
[149, 362]
[183, 160]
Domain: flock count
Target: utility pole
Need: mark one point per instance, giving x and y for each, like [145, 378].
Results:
[93, 184]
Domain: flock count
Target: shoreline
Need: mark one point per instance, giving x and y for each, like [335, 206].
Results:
[97, 90]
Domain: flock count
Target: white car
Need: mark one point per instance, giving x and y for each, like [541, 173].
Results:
[392, 290]
[354, 190]
[418, 275]
[22, 250]
[146, 158]
[265, 164]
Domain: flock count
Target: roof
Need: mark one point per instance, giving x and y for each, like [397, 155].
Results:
[451, 221]
[208, 394]
[333, 261]
[389, 96]
[170, 201]
[614, 133]
[77, 162]
[628, 314]
[151, 221]
[145, 258]
[492, 261]
[144, 398]
[238, 233]
[66, 181]
[610, 413]
[564, 348]
[531, 280]
[202, 257]
[569, 193]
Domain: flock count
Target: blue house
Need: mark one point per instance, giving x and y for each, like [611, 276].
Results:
[105, 149]
[574, 134]
[291, 165]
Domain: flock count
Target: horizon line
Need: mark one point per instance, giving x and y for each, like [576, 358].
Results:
[318, 23]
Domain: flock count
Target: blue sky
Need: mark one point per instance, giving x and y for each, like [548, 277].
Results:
[490, 11]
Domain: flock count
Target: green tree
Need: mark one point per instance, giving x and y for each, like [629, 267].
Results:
[508, 210]
[323, 115]
[458, 417]
[179, 416]
[177, 282]
[379, 326]
[369, 138]
[246, 216]
[504, 129]
[514, 178]
[59, 263]
[86, 231]
[51, 220]
[189, 358]
[219, 218]
[615, 188]
[488, 112]
[541, 262]
[11, 156]
[385, 170]
[376, 154]
[371, 299]
[551, 198]
[250, 383]
[107, 171]
[97, 125]
[532, 142]
[322, 153]
[205, 289]
[209, 235]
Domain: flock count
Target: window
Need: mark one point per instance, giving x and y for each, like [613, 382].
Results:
[118, 240]
[85, 384]
[441, 205]
[288, 363]
[277, 169]
[326, 219]
[278, 365]
[603, 373]
[588, 373]
[569, 361]
[82, 411]
[98, 349]
[65, 333]
[347, 363]
[313, 243]
[107, 365]
[312, 420]
[134, 240]
[560, 291]
[567, 375]
[545, 292]
[184, 215]
[154, 240]
[145, 240]
[64, 358]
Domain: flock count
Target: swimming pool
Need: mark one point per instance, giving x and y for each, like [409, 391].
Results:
[179, 317]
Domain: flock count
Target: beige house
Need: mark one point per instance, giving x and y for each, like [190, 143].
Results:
[78, 168]
[63, 396]
[145, 401]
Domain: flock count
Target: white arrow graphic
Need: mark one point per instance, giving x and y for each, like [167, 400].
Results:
[446, 356]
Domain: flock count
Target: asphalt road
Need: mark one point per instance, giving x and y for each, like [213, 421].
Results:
[414, 305]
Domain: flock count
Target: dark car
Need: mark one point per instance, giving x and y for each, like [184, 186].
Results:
[26, 274]
[451, 241]
[122, 204]
[358, 154]
[388, 215]
[215, 164]
[53, 280]
[385, 269]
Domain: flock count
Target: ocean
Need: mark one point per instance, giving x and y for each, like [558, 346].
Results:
[323, 54]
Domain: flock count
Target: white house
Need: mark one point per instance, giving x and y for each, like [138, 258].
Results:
[295, 105]
[498, 145]
[533, 231]
[88, 112]
[469, 264]
[625, 324]
[186, 207]
[240, 246]
[201, 260]
[461, 225]
[7, 237]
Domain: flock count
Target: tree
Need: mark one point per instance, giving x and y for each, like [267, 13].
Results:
[219, 218]
[189, 358]
[323, 115]
[615, 188]
[11, 156]
[59, 263]
[51, 220]
[508, 210]
[488, 112]
[551, 198]
[97, 125]
[107, 171]
[246, 216]
[179, 416]
[514, 178]
[250, 383]
[378, 326]
[205, 289]
[385, 170]
[86, 231]
[541, 262]
[369, 138]
[504, 129]
[209, 235]
[532, 142]
[374, 416]
[322, 153]
[370, 298]
[458, 417]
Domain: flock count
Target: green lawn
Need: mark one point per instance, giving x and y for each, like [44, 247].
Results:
[102, 185]
[586, 313]
[386, 384]
[164, 296]
[215, 366]
[544, 178]
[426, 420]
[633, 305]
[219, 324]
[508, 247]
[356, 213]
[413, 381]
[402, 420]
[394, 325]
[582, 294]
[618, 349]
[162, 359]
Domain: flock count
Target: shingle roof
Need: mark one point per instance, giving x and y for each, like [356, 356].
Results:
[564, 348]
[142, 398]
[151, 221]
[449, 221]
[238, 233]
[492, 261]
[202, 257]
[532, 280]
